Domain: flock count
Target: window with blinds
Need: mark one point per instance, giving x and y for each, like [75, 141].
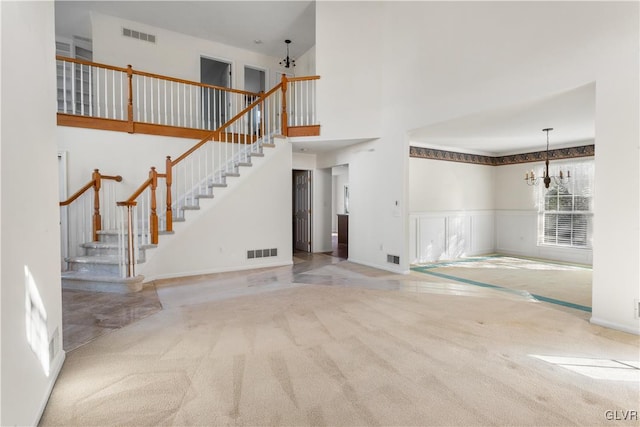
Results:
[565, 210]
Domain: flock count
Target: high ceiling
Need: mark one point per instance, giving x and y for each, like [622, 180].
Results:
[512, 129]
[235, 23]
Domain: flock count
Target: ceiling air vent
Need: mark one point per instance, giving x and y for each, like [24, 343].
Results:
[138, 35]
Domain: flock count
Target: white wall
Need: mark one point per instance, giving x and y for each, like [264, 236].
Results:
[436, 185]
[376, 228]
[451, 208]
[253, 212]
[306, 63]
[30, 214]
[304, 161]
[416, 63]
[173, 54]
[115, 153]
[322, 189]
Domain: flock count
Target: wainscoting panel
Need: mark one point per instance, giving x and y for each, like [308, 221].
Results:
[483, 233]
[431, 232]
[516, 232]
[450, 235]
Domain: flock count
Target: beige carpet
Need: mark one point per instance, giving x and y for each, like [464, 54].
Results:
[345, 345]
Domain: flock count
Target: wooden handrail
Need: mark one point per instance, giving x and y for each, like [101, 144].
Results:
[77, 194]
[177, 80]
[131, 201]
[246, 110]
[87, 186]
[93, 64]
[153, 75]
[303, 78]
[216, 133]
[96, 184]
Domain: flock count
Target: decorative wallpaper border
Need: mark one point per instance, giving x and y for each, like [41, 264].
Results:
[512, 159]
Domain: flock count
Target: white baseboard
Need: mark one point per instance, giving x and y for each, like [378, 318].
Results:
[218, 270]
[614, 325]
[397, 270]
[56, 367]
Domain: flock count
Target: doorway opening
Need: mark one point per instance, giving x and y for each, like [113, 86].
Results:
[255, 80]
[340, 211]
[215, 102]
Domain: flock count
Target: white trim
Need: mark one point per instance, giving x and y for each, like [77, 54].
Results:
[256, 68]
[613, 325]
[231, 63]
[57, 367]
[380, 267]
[246, 267]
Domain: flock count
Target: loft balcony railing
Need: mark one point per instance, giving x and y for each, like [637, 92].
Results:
[107, 97]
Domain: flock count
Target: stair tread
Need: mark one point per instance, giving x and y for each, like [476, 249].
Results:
[204, 196]
[82, 275]
[106, 245]
[97, 259]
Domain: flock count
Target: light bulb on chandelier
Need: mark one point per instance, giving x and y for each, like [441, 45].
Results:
[560, 179]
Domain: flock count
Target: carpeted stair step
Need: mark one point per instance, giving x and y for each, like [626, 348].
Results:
[84, 281]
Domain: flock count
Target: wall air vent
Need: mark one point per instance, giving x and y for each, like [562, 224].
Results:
[138, 35]
[393, 259]
[262, 253]
[54, 345]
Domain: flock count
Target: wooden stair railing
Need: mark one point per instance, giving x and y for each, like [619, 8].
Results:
[237, 132]
[96, 184]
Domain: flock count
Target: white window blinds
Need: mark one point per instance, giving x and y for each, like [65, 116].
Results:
[566, 210]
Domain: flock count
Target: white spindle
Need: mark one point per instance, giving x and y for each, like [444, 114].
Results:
[73, 89]
[91, 91]
[171, 85]
[81, 90]
[190, 106]
[64, 86]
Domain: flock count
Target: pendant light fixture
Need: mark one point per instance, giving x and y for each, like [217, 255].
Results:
[561, 179]
[288, 62]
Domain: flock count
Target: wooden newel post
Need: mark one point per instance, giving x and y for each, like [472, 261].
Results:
[97, 219]
[153, 218]
[130, 102]
[168, 179]
[285, 120]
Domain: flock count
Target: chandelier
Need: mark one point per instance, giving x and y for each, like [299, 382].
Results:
[562, 178]
[288, 62]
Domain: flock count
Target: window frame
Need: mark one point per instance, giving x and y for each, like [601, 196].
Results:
[580, 191]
